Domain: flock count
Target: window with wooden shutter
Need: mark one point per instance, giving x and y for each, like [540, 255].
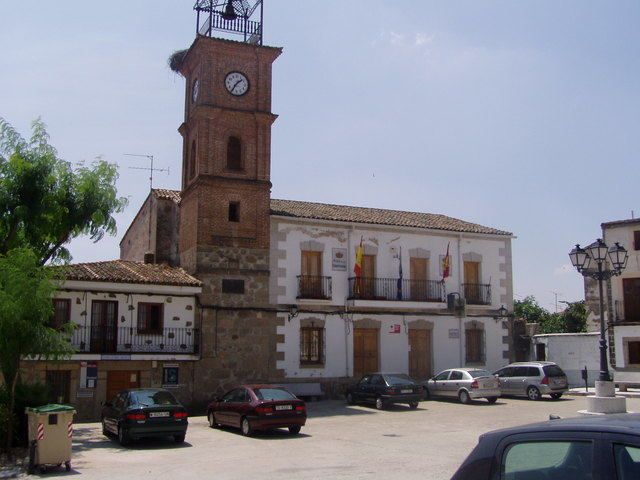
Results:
[150, 318]
[311, 346]
[636, 240]
[61, 312]
[633, 349]
[474, 344]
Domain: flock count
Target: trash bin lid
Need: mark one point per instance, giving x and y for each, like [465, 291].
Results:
[51, 408]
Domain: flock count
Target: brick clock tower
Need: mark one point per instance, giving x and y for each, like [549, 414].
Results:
[226, 188]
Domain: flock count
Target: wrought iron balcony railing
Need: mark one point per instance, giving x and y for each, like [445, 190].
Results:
[393, 289]
[101, 339]
[314, 287]
[477, 293]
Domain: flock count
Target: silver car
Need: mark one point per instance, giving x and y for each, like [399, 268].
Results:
[465, 384]
[533, 379]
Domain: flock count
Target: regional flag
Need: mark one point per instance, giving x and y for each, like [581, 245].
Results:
[446, 265]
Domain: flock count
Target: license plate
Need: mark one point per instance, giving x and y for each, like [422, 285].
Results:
[158, 414]
[406, 391]
[284, 407]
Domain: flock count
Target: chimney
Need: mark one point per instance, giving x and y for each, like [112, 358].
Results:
[149, 257]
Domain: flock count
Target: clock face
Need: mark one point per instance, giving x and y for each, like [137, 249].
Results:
[195, 90]
[236, 83]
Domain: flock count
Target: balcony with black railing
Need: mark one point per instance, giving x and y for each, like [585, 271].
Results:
[314, 287]
[477, 293]
[128, 340]
[396, 290]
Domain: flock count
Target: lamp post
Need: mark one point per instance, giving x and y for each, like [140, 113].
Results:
[592, 262]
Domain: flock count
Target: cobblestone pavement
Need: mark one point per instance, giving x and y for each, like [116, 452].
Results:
[338, 442]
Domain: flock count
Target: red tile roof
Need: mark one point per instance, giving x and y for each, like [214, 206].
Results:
[124, 271]
[375, 216]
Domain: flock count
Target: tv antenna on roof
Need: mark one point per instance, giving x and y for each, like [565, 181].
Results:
[237, 17]
[150, 169]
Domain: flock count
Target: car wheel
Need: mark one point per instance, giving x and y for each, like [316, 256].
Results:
[533, 393]
[67, 466]
[246, 427]
[123, 436]
[294, 430]
[492, 400]
[212, 420]
[463, 396]
[179, 438]
[350, 399]
[556, 396]
[380, 403]
[413, 405]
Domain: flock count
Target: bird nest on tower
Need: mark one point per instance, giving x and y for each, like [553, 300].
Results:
[176, 59]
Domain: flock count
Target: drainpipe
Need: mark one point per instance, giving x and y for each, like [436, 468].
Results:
[460, 290]
[346, 308]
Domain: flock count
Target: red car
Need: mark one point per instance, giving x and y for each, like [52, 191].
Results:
[258, 408]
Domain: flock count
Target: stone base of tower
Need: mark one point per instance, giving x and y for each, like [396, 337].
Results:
[238, 346]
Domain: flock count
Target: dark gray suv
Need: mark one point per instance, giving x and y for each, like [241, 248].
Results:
[532, 379]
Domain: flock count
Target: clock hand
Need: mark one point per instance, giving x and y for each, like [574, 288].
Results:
[235, 85]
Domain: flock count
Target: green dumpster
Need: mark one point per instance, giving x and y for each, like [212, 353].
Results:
[50, 433]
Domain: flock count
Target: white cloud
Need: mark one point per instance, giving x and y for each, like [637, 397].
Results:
[417, 40]
[563, 270]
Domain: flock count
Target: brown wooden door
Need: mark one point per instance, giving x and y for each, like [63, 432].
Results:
[118, 380]
[104, 326]
[365, 351]
[368, 276]
[420, 354]
[471, 281]
[311, 272]
[418, 267]
[631, 295]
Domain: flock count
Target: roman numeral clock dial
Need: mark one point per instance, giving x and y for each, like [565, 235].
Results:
[236, 83]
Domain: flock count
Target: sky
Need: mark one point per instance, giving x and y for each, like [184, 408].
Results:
[523, 116]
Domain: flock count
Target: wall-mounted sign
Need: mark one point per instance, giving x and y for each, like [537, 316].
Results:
[88, 375]
[339, 259]
[115, 357]
[454, 333]
[395, 328]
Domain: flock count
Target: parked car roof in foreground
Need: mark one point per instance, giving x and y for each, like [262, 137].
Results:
[618, 423]
[588, 447]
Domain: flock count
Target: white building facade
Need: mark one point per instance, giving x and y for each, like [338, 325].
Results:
[393, 318]
[134, 325]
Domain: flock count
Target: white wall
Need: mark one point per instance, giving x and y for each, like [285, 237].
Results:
[572, 352]
[287, 237]
[623, 234]
[394, 347]
[620, 333]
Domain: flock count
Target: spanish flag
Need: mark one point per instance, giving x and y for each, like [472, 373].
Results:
[446, 265]
[357, 268]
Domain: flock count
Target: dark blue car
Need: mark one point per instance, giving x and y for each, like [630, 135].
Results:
[585, 448]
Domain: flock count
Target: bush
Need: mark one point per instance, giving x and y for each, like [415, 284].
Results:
[27, 395]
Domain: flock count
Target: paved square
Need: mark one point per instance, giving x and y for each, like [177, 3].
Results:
[338, 442]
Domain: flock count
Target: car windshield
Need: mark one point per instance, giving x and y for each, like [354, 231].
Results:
[398, 379]
[273, 394]
[151, 398]
[479, 373]
[553, 371]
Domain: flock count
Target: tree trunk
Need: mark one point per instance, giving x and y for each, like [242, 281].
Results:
[12, 405]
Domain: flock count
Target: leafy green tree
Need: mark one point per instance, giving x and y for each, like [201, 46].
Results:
[26, 289]
[572, 320]
[530, 310]
[45, 203]
[575, 317]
